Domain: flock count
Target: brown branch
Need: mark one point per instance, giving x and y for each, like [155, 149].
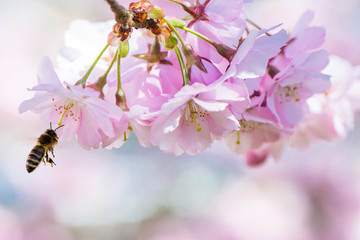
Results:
[122, 15]
[127, 19]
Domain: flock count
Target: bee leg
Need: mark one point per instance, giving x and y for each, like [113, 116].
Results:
[52, 151]
[46, 158]
[51, 162]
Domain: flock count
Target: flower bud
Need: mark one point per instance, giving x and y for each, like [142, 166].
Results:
[156, 13]
[192, 58]
[123, 48]
[255, 157]
[170, 42]
[225, 51]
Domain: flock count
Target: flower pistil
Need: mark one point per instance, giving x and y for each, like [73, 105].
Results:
[193, 113]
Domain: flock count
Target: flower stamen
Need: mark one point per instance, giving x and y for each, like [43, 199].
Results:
[194, 113]
[292, 93]
[63, 114]
[66, 111]
[247, 126]
[238, 137]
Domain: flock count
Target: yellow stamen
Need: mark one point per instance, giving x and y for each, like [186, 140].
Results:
[238, 137]
[193, 117]
[125, 136]
[198, 128]
[292, 94]
[62, 117]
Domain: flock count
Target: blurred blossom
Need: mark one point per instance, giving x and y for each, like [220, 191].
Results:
[48, 231]
[262, 209]
[10, 227]
[332, 199]
[83, 41]
[288, 201]
[168, 228]
[332, 115]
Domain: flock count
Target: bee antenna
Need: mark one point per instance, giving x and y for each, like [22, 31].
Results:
[58, 127]
[50, 126]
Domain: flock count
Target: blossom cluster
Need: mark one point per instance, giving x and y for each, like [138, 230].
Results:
[181, 83]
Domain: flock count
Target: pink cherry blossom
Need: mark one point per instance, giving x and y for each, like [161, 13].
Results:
[210, 20]
[256, 128]
[121, 133]
[211, 75]
[80, 110]
[194, 118]
[298, 81]
[331, 115]
[137, 82]
[304, 38]
[251, 58]
[267, 90]
[142, 78]
[295, 75]
[145, 111]
[267, 151]
[256, 157]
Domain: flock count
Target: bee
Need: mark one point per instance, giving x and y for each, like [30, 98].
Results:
[45, 144]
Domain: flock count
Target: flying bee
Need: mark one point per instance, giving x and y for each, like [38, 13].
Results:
[45, 144]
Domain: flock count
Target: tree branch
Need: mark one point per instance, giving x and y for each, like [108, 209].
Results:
[122, 15]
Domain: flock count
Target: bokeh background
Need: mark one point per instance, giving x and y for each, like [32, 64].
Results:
[138, 193]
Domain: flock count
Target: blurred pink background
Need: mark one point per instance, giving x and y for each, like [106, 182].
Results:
[137, 193]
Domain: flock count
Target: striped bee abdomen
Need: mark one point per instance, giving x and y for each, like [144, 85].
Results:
[35, 157]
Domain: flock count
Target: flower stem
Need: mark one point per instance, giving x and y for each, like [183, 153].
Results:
[198, 35]
[83, 80]
[100, 83]
[182, 65]
[178, 53]
[111, 64]
[118, 71]
[176, 32]
[120, 95]
[222, 49]
[256, 26]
